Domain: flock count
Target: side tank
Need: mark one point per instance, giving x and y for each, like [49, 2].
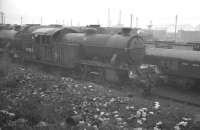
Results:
[122, 47]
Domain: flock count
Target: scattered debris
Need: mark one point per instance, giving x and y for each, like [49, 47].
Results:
[156, 105]
[40, 100]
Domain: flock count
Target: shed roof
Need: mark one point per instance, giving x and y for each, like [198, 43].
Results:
[52, 30]
[46, 31]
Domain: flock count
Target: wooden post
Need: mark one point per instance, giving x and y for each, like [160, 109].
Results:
[136, 22]
[41, 20]
[21, 20]
[71, 22]
[131, 21]
[2, 17]
[176, 20]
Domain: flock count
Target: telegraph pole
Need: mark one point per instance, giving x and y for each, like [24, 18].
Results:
[131, 20]
[41, 20]
[2, 17]
[4, 20]
[21, 20]
[176, 20]
[71, 22]
[150, 25]
[120, 13]
[136, 22]
[63, 22]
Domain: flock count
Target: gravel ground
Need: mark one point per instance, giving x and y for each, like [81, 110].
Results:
[31, 99]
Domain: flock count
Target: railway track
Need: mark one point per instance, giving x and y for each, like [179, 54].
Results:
[178, 101]
[179, 96]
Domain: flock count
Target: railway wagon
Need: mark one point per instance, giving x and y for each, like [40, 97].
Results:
[111, 56]
[182, 66]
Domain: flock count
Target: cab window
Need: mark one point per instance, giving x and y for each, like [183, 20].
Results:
[42, 39]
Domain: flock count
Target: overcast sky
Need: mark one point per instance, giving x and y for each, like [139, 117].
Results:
[83, 12]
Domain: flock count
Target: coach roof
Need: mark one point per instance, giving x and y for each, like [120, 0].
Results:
[187, 55]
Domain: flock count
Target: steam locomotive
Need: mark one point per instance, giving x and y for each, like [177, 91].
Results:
[111, 56]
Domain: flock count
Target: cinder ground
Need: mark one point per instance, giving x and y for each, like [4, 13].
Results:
[31, 99]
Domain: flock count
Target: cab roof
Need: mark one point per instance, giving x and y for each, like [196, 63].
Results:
[52, 31]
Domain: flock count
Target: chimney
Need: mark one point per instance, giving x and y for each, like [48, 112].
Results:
[126, 31]
[90, 31]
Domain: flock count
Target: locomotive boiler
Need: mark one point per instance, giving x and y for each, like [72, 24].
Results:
[116, 49]
[114, 54]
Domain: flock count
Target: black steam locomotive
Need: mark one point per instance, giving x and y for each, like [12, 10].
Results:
[111, 56]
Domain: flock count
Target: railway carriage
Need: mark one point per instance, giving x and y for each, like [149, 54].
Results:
[181, 65]
[195, 45]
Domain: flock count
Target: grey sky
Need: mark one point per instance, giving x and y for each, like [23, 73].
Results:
[85, 12]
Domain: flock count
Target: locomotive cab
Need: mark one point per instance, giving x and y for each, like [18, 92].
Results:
[42, 39]
[49, 49]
